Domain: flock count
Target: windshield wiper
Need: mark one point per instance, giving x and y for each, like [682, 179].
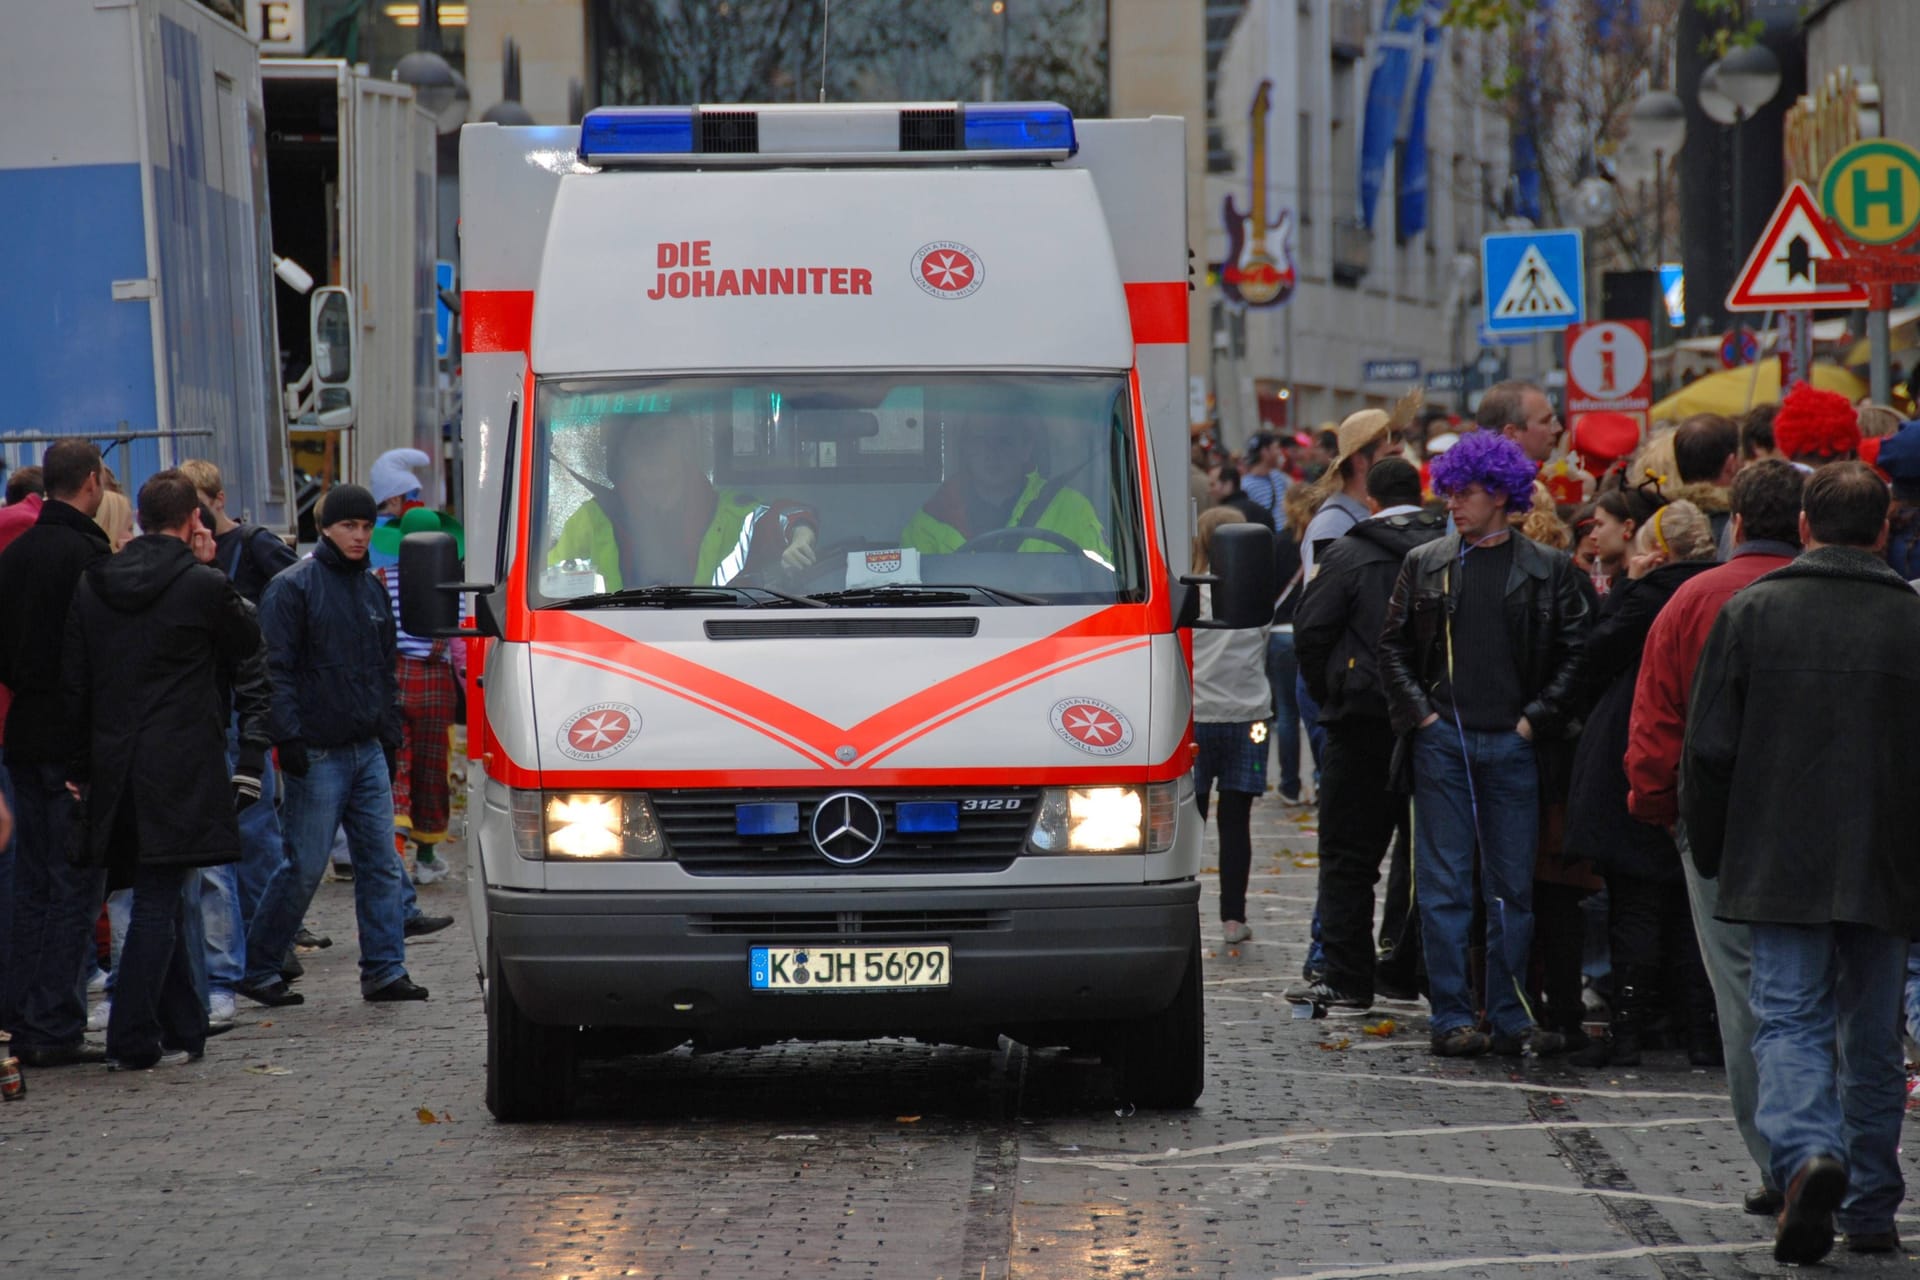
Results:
[685, 597]
[904, 593]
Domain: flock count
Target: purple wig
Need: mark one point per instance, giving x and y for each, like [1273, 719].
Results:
[1490, 460]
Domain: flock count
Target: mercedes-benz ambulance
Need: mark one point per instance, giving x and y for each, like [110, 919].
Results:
[826, 496]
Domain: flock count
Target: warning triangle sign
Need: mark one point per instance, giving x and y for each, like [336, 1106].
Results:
[1534, 292]
[1781, 274]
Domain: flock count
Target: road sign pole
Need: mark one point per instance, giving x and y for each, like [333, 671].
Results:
[1879, 337]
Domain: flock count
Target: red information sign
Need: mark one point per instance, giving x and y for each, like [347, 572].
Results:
[1610, 366]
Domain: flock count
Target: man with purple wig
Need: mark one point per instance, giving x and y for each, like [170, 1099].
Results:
[1479, 655]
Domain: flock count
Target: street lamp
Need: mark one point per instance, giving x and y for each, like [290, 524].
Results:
[1731, 90]
[436, 85]
[1656, 129]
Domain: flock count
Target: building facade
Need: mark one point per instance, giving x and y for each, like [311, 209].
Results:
[1385, 296]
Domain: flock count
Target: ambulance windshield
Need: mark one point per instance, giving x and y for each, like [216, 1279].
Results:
[850, 489]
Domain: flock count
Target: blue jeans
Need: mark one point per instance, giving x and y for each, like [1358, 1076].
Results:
[1475, 788]
[1309, 712]
[263, 849]
[344, 786]
[55, 905]
[1832, 1080]
[1283, 671]
[222, 927]
[1913, 991]
[160, 997]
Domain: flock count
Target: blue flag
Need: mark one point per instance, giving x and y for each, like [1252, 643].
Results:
[1414, 182]
[1394, 49]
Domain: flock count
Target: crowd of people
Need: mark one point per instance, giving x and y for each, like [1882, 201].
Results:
[1631, 761]
[192, 715]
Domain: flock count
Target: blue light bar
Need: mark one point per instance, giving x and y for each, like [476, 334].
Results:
[611, 133]
[1018, 126]
[924, 817]
[766, 819]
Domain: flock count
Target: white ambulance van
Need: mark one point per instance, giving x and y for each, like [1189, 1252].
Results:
[828, 514]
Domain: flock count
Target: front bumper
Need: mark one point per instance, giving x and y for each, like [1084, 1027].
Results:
[1022, 957]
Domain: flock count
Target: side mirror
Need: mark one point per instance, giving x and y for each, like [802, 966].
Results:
[429, 585]
[1245, 587]
[335, 372]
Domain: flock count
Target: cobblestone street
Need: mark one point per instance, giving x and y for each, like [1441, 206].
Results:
[348, 1139]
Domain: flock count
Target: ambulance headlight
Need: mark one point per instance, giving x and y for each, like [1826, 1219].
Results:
[1106, 819]
[571, 826]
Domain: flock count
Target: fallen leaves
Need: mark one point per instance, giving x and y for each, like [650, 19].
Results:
[1336, 1046]
[1307, 860]
[426, 1116]
[906, 1119]
[1382, 1029]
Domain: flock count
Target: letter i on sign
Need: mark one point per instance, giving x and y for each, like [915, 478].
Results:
[1607, 380]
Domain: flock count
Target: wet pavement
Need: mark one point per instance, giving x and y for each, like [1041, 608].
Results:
[342, 1138]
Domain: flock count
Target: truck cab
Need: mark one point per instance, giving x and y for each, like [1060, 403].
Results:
[828, 514]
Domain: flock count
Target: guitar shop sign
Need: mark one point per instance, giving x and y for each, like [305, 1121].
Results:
[1252, 273]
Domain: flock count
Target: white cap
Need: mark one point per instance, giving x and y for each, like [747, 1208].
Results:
[1436, 445]
[393, 474]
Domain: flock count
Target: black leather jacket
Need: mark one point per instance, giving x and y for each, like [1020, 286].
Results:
[1546, 625]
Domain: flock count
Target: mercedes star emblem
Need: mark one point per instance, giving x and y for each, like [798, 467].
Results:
[847, 829]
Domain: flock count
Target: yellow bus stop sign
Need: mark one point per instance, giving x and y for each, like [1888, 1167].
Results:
[1871, 191]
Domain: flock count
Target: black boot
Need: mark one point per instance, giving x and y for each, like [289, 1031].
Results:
[1621, 1048]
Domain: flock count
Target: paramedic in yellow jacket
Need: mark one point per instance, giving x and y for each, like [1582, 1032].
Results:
[995, 487]
[661, 521]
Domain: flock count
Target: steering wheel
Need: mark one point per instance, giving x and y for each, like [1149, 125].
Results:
[1019, 533]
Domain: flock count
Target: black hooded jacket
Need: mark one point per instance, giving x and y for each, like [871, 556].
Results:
[1337, 627]
[331, 643]
[38, 574]
[153, 645]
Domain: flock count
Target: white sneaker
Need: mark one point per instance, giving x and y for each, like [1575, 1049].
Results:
[220, 1007]
[1235, 930]
[97, 983]
[98, 1015]
[429, 867]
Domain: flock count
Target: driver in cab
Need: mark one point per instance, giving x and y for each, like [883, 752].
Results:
[661, 521]
[995, 486]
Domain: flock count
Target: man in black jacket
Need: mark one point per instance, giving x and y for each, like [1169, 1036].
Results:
[1479, 656]
[1335, 635]
[1796, 794]
[55, 903]
[336, 719]
[156, 640]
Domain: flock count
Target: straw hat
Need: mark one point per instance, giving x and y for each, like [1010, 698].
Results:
[1362, 430]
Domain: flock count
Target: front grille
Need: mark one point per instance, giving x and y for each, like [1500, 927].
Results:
[840, 628]
[848, 924]
[729, 132]
[936, 129]
[701, 832]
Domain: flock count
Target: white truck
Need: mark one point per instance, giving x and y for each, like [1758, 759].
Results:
[138, 305]
[827, 505]
[350, 161]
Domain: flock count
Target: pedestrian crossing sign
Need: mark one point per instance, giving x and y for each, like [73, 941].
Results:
[1533, 281]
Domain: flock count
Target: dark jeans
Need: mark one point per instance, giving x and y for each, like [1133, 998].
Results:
[6, 890]
[1650, 924]
[1358, 814]
[55, 906]
[1283, 672]
[1310, 716]
[1559, 943]
[263, 850]
[159, 999]
[1236, 850]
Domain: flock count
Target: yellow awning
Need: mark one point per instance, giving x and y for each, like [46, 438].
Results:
[1734, 391]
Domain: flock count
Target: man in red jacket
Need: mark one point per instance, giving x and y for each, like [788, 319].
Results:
[1766, 535]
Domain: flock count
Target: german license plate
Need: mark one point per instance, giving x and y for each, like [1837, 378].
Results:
[848, 968]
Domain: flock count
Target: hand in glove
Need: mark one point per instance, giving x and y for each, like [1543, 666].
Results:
[246, 787]
[293, 758]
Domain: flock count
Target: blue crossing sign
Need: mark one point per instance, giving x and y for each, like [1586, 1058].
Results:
[1533, 281]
